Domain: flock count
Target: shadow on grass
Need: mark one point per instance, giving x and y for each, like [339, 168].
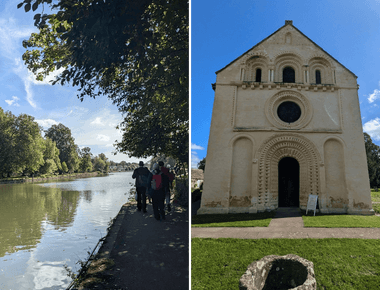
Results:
[233, 220]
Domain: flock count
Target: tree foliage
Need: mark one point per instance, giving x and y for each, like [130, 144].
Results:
[85, 164]
[202, 164]
[373, 161]
[22, 145]
[65, 143]
[51, 157]
[134, 52]
[64, 167]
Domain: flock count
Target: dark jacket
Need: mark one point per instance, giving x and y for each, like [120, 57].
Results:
[139, 171]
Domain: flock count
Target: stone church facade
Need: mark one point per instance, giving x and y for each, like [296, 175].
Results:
[285, 124]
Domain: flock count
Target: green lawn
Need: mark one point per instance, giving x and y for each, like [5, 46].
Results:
[338, 263]
[375, 196]
[376, 207]
[232, 220]
[341, 221]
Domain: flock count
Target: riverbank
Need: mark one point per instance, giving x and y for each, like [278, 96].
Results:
[139, 252]
[57, 177]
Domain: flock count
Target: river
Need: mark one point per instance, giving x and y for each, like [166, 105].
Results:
[48, 225]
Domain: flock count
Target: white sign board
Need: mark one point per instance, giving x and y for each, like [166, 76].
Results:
[312, 203]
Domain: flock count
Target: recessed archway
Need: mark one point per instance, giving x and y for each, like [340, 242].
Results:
[288, 182]
[271, 152]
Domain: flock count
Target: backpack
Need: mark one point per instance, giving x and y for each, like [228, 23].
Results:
[143, 180]
[156, 182]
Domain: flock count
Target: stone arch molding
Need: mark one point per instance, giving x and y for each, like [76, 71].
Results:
[272, 104]
[248, 56]
[271, 152]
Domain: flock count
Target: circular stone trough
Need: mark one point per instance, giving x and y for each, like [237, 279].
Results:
[279, 273]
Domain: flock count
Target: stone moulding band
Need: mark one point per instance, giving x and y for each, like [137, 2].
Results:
[252, 129]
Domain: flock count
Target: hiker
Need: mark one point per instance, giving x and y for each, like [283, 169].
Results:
[141, 174]
[159, 182]
[170, 177]
[149, 189]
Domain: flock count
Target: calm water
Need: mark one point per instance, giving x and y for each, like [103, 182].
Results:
[45, 226]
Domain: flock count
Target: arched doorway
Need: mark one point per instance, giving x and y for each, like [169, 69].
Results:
[288, 182]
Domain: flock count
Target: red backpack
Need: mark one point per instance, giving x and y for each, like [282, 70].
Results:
[156, 183]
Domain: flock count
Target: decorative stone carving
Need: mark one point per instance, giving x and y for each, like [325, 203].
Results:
[279, 272]
[288, 145]
[273, 103]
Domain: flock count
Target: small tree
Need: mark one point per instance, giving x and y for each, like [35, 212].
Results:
[64, 167]
[202, 164]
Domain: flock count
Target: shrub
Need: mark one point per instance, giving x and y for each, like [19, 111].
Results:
[181, 191]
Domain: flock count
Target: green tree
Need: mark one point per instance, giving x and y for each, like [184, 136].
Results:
[85, 164]
[7, 140]
[202, 164]
[51, 157]
[64, 167]
[373, 161]
[134, 52]
[65, 143]
[30, 145]
[99, 164]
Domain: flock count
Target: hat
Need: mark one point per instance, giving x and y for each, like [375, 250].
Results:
[161, 163]
[141, 163]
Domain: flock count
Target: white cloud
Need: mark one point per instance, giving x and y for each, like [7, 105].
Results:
[372, 127]
[374, 96]
[47, 122]
[47, 80]
[13, 101]
[102, 137]
[194, 159]
[29, 94]
[97, 121]
[196, 147]
[109, 145]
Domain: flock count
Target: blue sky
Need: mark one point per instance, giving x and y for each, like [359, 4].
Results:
[92, 122]
[223, 30]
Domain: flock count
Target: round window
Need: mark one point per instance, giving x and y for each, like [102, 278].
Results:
[289, 112]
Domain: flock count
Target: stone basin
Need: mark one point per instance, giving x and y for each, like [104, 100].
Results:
[279, 273]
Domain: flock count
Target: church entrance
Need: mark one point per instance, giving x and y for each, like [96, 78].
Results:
[288, 182]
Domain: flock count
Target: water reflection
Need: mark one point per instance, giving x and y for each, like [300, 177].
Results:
[48, 225]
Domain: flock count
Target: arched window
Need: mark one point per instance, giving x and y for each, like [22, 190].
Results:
[288, 75]
[258, 75]
[318, 76]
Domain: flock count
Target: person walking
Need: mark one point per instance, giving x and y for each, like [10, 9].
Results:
[169, 176]
[159, 182]
[141, 175]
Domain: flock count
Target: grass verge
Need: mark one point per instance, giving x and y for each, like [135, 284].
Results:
[338, 263]
[233, 220]
[375, 195]
[376, 207]
[341, 221]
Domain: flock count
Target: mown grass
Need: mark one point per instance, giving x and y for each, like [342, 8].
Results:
[376, 207]
[233, 220]
[338, 263]
[375, 195]
[341, 221]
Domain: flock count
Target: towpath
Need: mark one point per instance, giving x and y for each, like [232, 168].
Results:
[143, 253]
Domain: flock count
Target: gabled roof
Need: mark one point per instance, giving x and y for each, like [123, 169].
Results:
[287, 22]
